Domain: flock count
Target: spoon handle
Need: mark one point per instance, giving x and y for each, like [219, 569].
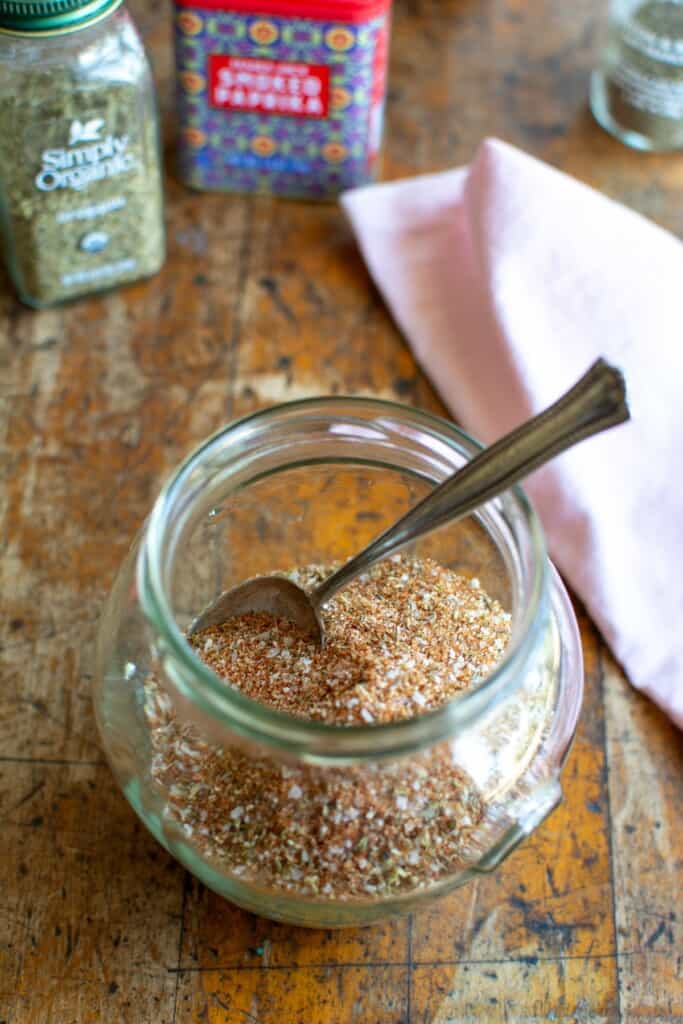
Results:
[596, 402]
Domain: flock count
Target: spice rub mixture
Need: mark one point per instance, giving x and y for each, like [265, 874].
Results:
[400, 641]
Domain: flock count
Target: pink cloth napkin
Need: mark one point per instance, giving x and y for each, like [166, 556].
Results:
[509, 278]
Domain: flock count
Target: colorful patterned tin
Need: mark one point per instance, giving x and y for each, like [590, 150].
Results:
[278, 96]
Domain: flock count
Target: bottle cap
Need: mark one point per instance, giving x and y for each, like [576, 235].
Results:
[47, 17]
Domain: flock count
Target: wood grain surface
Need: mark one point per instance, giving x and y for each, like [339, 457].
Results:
[262, 301]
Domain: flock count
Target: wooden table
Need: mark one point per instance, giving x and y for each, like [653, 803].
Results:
[262, 301]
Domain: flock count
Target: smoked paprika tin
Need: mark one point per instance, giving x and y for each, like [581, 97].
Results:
[280, 97]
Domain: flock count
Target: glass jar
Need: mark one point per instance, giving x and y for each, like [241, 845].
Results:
[310, 482]
[637, 87]
[81, 206]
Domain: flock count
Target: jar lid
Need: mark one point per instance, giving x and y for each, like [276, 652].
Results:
[26, 17]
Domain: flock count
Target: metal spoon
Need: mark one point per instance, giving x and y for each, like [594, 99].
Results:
[595, 403]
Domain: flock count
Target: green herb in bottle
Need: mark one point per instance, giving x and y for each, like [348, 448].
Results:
[80, 181]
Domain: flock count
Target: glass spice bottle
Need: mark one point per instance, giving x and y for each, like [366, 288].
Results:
[637, 88]
[81, 202]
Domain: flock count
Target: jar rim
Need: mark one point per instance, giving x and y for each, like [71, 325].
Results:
[313, 740]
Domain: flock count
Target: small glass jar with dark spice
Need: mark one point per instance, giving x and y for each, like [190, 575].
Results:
[637, 87]
[337, 798]
[81, 201]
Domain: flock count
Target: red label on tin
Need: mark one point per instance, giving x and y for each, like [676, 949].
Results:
[269, 86]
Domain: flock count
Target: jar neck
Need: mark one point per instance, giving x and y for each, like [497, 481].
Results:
[368, 432]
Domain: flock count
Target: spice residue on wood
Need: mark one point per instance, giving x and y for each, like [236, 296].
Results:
[401, 641]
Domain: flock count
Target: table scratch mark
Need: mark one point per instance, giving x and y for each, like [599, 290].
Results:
[25, 799]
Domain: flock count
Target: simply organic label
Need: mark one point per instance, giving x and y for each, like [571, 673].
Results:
[88, 157]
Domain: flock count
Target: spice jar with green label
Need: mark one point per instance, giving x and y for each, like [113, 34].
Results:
[81, 202]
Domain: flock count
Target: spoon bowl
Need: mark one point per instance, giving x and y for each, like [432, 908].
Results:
[274, 595]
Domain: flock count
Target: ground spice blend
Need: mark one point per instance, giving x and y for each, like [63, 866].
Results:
[80, 175]
[280, 96]
[399, 642]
